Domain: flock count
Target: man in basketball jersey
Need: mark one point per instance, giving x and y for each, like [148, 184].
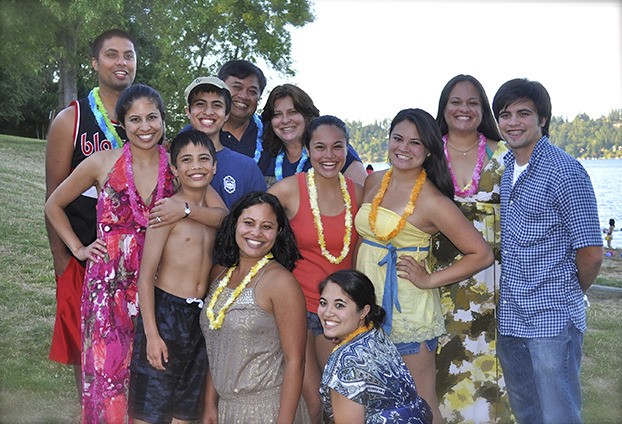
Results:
[84, 127]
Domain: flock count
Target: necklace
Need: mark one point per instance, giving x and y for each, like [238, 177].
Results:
[464, 152]
[140, 211]
[317, 217]
[362, 329]
[278, 166]
[215, 322]
[258, 143]
[101, 116]
[408, 210]
[473, 186]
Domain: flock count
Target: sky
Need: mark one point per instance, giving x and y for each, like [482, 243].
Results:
[365, 60]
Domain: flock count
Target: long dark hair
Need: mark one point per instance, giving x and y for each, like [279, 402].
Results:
[361, 290]
[488, 126]
[435, 165]
[285, 249]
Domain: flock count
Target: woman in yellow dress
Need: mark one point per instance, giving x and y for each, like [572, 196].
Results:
[402, 208]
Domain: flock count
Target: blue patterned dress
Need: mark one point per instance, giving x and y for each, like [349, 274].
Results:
[370, 371]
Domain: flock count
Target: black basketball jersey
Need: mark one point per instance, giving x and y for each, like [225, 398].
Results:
[88, 139]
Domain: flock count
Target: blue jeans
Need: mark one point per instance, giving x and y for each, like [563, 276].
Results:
[542, 376]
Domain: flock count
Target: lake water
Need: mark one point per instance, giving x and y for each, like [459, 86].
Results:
[606, 175]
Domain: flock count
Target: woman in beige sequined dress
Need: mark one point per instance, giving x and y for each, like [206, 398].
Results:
[254, 319]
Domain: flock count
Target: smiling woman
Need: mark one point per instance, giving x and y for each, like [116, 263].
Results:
[125, 179]
[330, 200]
[365, 379]
[255, 379]
[403, 207]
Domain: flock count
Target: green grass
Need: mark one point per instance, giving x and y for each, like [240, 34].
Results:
[610, 282]
[36, 390]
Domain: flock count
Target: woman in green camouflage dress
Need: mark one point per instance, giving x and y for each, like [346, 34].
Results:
[470, 384]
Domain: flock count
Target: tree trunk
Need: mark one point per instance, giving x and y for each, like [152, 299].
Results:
[67, 85]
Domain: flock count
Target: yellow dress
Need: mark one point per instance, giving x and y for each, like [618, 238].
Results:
[419, 316]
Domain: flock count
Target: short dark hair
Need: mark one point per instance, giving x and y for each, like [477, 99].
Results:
[520, 89]
[361, 290]
[285, 249]
[195, 137]
[488, 126]
[209, 88]
[241, 69]
[325, 120]
[302, 103]
[435, 165]
[98, 43]
[134, 92]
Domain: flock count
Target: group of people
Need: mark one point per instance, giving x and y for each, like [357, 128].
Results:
[279, 280]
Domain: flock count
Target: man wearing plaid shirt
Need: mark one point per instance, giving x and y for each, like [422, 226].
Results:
[551, 254]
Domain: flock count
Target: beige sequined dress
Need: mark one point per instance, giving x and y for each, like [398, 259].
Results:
[246, 361]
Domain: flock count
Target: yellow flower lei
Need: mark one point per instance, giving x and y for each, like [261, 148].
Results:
[216, 322]
[349, 337]
[408, 210]
[317, 219]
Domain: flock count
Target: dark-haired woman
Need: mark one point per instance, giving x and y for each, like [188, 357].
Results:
[285, 117]
[254, 321]
[365, 379]
[129, 182]
[470, 383]
[321, 205]
[402, 208]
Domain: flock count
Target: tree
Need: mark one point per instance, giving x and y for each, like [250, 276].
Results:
[201, 36]
[177, 40]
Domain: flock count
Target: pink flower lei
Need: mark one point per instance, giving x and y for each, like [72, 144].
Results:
[473, 186]
[138, 211]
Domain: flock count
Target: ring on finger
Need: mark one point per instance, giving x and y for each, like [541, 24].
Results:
[159, 220]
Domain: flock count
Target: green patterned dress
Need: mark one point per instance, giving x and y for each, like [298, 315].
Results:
[469, 382]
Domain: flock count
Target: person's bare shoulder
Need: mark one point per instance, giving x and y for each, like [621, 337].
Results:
[278, 286]
[372, 184]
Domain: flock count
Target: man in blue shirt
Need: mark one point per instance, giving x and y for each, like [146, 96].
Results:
[551, 252]
[243, 130]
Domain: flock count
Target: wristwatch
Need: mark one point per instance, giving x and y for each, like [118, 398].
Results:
[187, 210]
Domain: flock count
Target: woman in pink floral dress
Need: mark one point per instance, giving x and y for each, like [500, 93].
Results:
[129, 181]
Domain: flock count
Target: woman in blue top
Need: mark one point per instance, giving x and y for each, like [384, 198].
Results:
[365, 379]
[285, 117]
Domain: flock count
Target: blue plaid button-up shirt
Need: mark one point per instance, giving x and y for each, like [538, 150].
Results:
[545, 217]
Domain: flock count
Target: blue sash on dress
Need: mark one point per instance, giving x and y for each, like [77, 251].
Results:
[390, 297]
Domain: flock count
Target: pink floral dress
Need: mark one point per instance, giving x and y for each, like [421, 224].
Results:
[109, 295]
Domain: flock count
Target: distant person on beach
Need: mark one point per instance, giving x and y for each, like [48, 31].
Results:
[551, 252]
[369, 169]
[83, 128]
[609, 232]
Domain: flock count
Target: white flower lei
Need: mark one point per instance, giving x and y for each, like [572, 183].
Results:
[317, 219]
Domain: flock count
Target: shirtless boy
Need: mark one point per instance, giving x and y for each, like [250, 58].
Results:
[169, 361]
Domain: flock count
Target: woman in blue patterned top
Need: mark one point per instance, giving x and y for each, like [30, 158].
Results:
[365, 379]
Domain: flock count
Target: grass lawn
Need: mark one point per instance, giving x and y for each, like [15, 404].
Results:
[36, 390]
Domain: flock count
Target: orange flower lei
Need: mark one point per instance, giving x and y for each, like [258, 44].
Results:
[215, 321]
[408, 210]
[317, 219]
[362, 329]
